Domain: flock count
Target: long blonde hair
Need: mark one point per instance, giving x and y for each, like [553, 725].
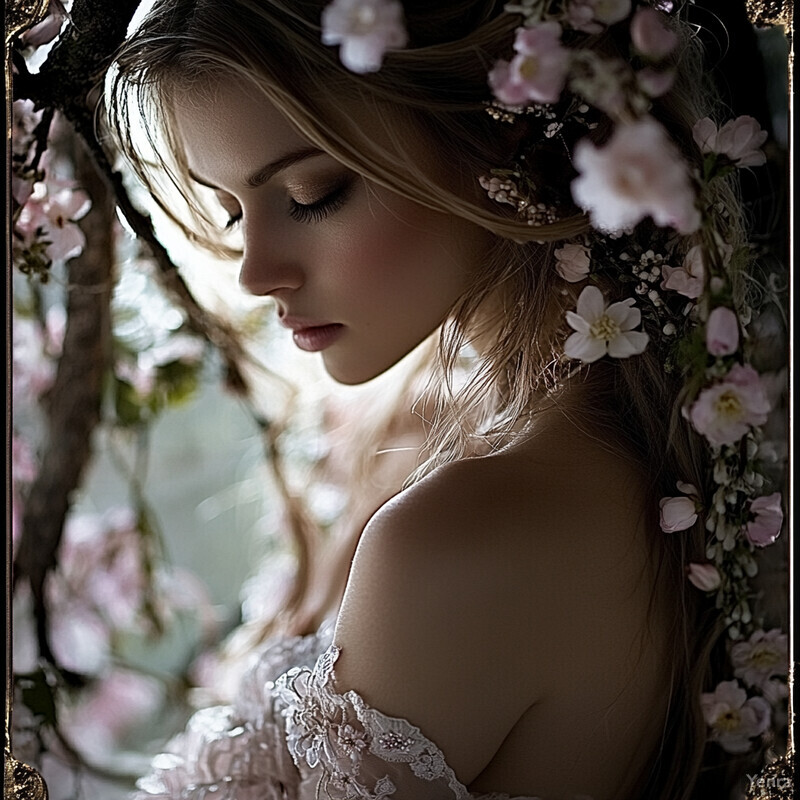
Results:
[437, 88]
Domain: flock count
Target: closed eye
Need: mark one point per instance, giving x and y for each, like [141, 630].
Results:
[322, 208]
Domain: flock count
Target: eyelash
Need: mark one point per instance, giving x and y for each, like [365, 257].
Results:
[311, 212]
[319, 210]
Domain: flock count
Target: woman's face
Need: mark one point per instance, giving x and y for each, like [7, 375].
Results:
[358, 273]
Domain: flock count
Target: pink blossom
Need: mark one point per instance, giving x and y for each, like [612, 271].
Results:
[81, 641]
[763, 656]
[738, 139]
[650, 35]
[704, 576]
[726, 410]
[52, 215]
[572, 262]
[591, 15]
[365, 29]
[765, 527]
[601, 329]
[655, 82]
[775, 691]
[24, 119]
[733, 718]
[679, 513]
[722, 332]
[538, 72]
[638, 173]
[689, 278]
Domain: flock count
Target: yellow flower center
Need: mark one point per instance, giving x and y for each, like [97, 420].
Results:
[363, 20]
[731, 720]
[729, 405]
[604, 328]
[762, 657]
[529, 68]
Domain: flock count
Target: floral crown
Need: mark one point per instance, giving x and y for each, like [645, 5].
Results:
[684, 295]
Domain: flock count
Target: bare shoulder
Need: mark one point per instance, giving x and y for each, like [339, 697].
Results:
[470, 578]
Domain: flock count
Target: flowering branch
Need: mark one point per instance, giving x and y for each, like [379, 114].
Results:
[73, 410]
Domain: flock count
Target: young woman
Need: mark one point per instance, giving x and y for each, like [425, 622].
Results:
[539, 613]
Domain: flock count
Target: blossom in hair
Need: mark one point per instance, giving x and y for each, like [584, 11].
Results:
[539, 70]
[722, 332]
[688, 279]
[763, 656]
[726, 410]
[705, 577]
[365, 29]
[572, 262]
[765, 526]
[601, 328]
[655, 82]
[591, 15]
[738, 139]
[679, 513]
[638, 173]
[734, 719]
[650, 35]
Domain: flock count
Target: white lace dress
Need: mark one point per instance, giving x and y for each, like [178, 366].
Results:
[290, 735]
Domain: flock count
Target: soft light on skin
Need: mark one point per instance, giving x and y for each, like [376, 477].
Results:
[385, 269]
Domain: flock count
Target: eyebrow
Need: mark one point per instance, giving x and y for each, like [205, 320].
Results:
[263, 174]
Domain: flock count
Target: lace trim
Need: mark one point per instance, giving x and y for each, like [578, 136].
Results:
[337, 732]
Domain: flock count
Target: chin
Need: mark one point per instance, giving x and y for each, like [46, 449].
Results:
[353, 373]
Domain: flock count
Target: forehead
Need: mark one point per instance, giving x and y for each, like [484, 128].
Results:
[228, 129]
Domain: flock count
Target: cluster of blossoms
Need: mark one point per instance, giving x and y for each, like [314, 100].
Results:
[48, 206]
[681, 287]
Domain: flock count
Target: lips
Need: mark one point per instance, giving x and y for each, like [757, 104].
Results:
[312, 335]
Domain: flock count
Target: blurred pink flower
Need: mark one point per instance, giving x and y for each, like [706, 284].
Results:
[24, 121]
[365, 29]
[601, 329]
[33, 370]
[722, 332]
[763, 656]
[679, 513]
[638, 173]
[650, 35]
[591, 15]
[655, 82]
[537, 73]
[739, 139]
[775, 691]
[765, 527]
[81, 641]
[726, 410]
[110, 707]
[705, 577]
[52, 214]
[572, 262]
[733, 718]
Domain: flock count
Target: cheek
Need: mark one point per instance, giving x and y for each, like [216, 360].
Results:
[401, 250]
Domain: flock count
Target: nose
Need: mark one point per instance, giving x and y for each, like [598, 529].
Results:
[268, 263]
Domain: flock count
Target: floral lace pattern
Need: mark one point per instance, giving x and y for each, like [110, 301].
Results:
[353, 751]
